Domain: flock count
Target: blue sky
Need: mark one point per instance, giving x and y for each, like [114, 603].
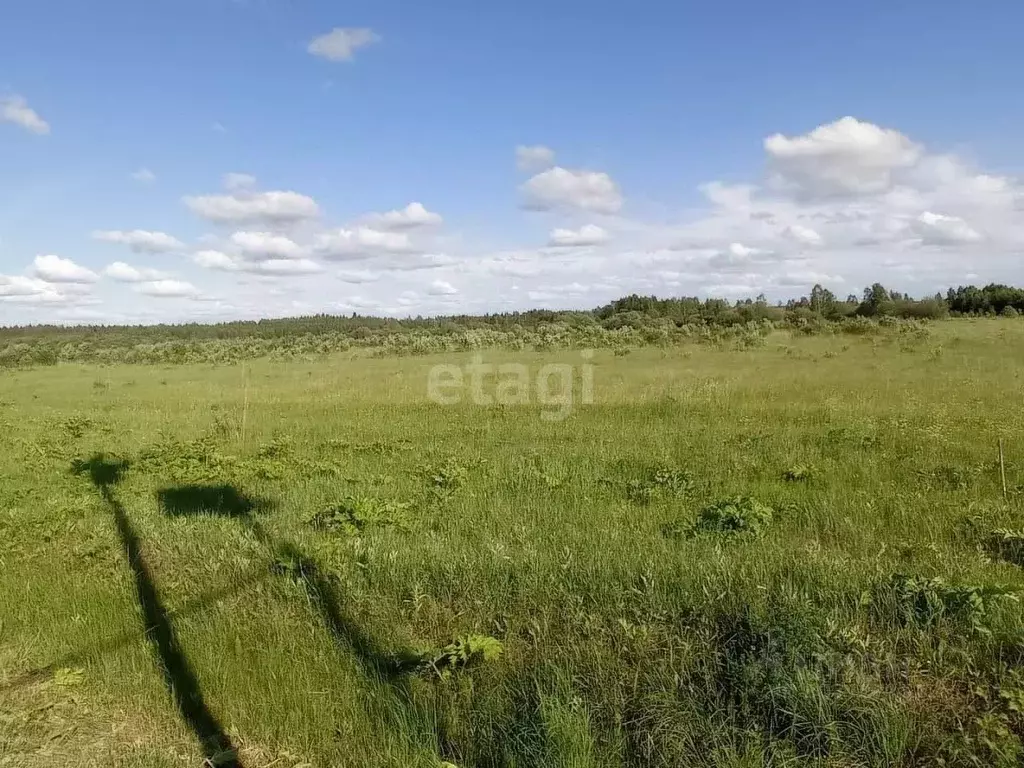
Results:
[114, 115]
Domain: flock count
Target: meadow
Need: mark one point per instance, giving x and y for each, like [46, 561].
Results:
[783, 548]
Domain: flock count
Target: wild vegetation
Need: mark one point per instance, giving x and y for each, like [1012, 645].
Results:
[627, 322]
[787, 540]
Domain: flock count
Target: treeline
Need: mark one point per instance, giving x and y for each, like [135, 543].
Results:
[631, 320]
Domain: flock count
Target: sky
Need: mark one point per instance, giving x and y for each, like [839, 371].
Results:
[208, 160]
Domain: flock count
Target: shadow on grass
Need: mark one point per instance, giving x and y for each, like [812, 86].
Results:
[212, 500]
[178, 675]
[290, 560]
[194, 606]
[323, 594]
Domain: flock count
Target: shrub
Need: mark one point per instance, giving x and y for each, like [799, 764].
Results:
[798, 473]
[733, 516]
[464, 653]
[1006, 545]
[926, 602]
[355, 514]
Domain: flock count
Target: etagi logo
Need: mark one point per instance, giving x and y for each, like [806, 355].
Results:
[553, 386]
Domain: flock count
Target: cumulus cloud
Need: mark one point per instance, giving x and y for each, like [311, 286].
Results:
[243, 204]
[212, 259]
[168, 289]
[442, 288]
[140, 240]
[359, 243]
[844, 158]
[54, 269]
[144, 175]
[14, 109]
[803, 235]
[341, 43]
[18, 286]
[261, 246]
[281, 267]
[126, 273]
[414, 215]
[937, 229]
[588, 234]
[562, 188]
[534, 158]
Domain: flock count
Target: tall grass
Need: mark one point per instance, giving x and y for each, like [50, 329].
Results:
[329, 608]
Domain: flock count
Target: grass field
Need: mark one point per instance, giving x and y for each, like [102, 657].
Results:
[311, 563]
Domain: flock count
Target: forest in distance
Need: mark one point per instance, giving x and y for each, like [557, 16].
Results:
[629, 321]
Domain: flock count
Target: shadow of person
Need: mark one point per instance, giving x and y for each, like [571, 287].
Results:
[179, 677]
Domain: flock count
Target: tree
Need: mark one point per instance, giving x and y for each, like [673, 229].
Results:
[877, 301]
[823, 301]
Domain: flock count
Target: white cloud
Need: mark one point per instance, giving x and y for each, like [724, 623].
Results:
[936, 229]
[282, 267]
[360, 242]
[16, 286]
[802, 235]
[412, 216]
[534, 158]
[144, 175]
[341, 43]
[54, 269]
[588, 234]
[242, 205]
[140, 240]
[211, 259]
[14, 109]
[568, 189]
[168, 289]
[259, 246]
[126, 273]
[442, 288]
[812, 213]
[847, 157]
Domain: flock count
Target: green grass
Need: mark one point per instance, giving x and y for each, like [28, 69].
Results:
[336, 596]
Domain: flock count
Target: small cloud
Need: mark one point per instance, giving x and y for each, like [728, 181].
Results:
[360, 242]
[144, 175]
[168, 289]
[568, 189]
[218, 128]
[260, 246]
[802, 235]
[14, 109]
[937, 229]
[412, 216]
[341, 43]
[126, 273]
[241, 206]
[534, 158]
[140, 240]
[54, 269]
[211, 259]
[442, 288]
[588, 234]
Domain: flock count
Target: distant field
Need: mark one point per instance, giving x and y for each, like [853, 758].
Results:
[313, 563]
